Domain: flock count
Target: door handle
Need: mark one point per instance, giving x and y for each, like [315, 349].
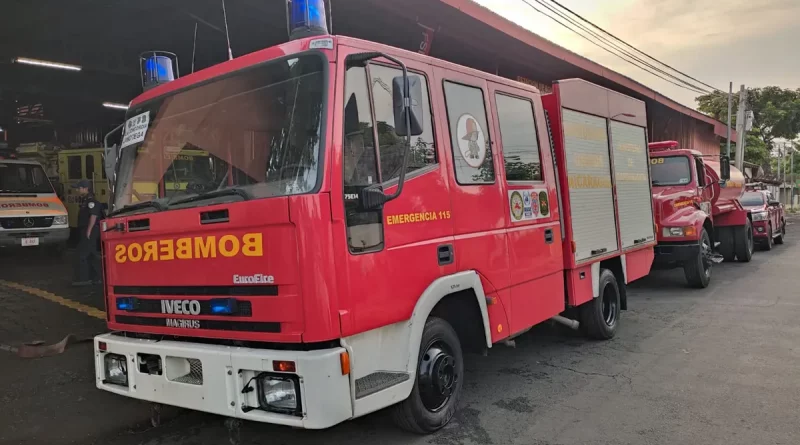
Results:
[548, 236]
[445, 254]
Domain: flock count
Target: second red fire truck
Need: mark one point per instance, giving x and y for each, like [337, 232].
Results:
[365, 215]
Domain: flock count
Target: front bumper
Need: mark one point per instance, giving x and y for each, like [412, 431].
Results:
[676, 252]
[761, 229]
[325, 394]
[48, 236]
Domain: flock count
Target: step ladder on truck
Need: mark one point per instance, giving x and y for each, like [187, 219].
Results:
[369, 215]
[699, 216]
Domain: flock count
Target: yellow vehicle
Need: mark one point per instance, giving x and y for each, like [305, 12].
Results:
[179, 166]
[75, 165]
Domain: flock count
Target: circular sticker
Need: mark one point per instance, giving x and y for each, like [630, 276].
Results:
[516, 206]
[543, 206]
[91, 205]
[471, 140]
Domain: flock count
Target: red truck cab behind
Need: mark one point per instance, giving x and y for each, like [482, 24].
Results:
[269, 291]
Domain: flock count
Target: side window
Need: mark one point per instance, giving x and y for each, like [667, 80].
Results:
[701, 174]
[520, 142]
[423, 152]
[74, 167]
[364, 229]
[89, 161]
[469, 137]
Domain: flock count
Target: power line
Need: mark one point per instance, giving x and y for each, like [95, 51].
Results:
[696, 90]
[631, 46]
[617, 47]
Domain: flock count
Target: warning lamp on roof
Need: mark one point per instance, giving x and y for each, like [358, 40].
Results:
[157, 67]
[306, 18]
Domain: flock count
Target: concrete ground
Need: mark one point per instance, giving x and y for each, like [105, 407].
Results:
[713, 366]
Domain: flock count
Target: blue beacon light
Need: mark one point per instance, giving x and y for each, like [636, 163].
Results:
[307, 18]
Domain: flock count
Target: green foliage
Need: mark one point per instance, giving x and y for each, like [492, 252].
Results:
[776, 114]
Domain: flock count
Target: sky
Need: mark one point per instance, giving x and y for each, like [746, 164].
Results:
[751, 42]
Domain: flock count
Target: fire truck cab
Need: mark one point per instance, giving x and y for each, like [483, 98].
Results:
[371, 214]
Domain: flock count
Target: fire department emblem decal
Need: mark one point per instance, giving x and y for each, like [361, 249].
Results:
[471, 140]
[517, 206]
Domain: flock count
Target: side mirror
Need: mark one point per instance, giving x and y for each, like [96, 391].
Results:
[725, 168]
[414, 110]
[110, 161]
[372, 198]
[775, 203]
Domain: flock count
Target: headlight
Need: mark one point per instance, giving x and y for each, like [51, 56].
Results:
[760, 216]
[60, 220]
[679, 231]
[279, 394]
[116, 367]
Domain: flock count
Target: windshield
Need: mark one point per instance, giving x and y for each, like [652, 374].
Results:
[23, 178]
[259, 129]
[752, 199]
[672, 170]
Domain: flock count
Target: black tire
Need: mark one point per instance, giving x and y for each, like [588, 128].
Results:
[599, 317]
[767, 245]
[743, 242]
[779, 238]
[698, 270]
[726, 243]
[423, 412]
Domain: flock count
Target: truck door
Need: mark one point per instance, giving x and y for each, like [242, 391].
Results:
[475, 188]
[531, 212]
[74, 173]
[388, 257]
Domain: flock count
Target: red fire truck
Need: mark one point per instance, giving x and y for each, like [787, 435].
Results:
[364, 216]
[697, 206]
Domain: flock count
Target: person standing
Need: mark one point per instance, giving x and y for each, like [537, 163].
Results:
[87, 268]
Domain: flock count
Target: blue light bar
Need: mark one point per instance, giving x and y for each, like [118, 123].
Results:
[223, 306]
[157, 70]
[307, 18]
[126, 304]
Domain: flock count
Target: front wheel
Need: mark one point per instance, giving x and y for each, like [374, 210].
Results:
[698, 269]
[599, 318]
[782, 234]
[438, 383]
[770, 241]
[743, 242]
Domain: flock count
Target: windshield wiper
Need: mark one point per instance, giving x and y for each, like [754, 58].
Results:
[231, 191]
[138, 206]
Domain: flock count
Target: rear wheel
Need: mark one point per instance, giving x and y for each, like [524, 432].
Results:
[779, 238]
[726, 244]
[439, 380]
[600, 317]
[743, 242]
[698, 270]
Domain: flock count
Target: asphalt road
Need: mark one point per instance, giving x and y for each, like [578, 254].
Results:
[716, 366]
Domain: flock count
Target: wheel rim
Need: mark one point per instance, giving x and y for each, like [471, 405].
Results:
[609, 306]
[705, 246]
[438, 376]
[750, 240]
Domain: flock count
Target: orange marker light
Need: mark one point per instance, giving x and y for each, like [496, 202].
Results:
[574, 247]
[284, 366]
[689, 231]
[344, 359]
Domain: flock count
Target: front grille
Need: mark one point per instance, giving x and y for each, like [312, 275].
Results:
[200, 291]
[33, 222]
[244, 308]
[216, 325]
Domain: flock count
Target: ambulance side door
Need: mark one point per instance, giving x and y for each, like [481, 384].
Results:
[527, 177]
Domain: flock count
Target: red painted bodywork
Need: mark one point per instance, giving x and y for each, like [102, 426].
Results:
[691, 205]
[775, 220]
[325, 292]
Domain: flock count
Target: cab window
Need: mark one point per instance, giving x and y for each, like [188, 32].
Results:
[701, 174]
[472, 149]
[518, 135]
[74, 170]
[670, 170]
[89, 162]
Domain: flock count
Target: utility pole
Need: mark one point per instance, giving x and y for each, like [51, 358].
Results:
[791, 195]
[740, 128]
[730, 106]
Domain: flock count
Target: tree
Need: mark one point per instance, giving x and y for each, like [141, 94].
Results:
[776, 114]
